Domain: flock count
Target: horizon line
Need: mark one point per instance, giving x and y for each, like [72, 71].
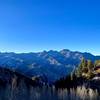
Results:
[38, 51]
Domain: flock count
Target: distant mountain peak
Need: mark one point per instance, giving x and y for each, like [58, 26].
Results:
[65, 50]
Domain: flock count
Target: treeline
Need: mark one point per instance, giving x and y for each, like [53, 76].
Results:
[86, 68]
[83, 72]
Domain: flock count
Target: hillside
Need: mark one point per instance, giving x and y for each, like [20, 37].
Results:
[51, 64]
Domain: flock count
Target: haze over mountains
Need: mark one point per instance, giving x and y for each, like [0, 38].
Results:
[50, 64]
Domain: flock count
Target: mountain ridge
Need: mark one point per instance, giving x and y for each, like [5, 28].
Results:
[53, 64]
[7, 52]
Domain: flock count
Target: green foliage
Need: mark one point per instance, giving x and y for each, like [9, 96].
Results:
[97, 63]
[90, 65]
[81, 68]
[90, 75]
[85, 69]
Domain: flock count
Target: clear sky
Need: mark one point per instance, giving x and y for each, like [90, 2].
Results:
[36, 25]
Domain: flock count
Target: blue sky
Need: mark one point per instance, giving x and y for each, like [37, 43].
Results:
[36, 25]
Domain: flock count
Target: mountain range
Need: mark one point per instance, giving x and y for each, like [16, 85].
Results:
[50, 64]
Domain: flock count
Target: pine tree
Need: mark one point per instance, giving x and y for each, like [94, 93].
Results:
[81, 68]
[90, 65]
[84, 66]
